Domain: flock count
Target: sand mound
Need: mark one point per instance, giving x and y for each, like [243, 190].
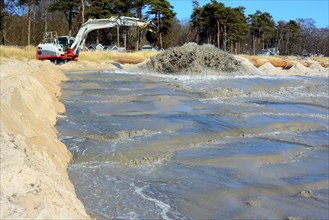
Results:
[269, 69]
[193, 58]
[34, 181]
[316, 67]
[247, 66]
[298, 69]
[85, 65]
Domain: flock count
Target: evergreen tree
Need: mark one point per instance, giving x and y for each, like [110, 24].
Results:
[99, 9]
[138, 6]
[4, 14]
[261, 27]
[293, 38]
[69, 8]
[199, 22]
[163, 14]
[220, 24]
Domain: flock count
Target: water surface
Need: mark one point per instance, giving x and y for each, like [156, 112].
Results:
[150, 146]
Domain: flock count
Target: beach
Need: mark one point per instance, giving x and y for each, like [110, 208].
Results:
[34, 162]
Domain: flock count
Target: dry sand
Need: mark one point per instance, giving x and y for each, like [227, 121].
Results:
[34, 180]
[269, 69]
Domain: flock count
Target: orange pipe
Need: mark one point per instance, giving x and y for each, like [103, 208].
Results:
[129, 60]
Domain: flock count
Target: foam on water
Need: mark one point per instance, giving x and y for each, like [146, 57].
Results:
[165, 208]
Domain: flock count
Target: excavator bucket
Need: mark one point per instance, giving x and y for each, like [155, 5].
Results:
[151, 33]
[150, 36]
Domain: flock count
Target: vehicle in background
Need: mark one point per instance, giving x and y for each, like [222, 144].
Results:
[267, 52]
[148, 48]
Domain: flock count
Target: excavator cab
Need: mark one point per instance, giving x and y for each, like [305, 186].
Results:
[65, 42]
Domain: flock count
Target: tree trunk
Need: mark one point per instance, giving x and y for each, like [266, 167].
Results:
[137, 41]
[118, 36]
[70, 23]
[224, 38]
[104, 37]
[236, 47]
[253, 44]
[218, 35]
[2, 22]
[46, 23]
[125, 39]
[160, 34]
[29, 18]
[82, 11]
[97, 37]
[139, 15]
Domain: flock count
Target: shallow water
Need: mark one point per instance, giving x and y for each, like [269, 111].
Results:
[149, 146]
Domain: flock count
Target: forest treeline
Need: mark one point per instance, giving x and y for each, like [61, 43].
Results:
[23, 22]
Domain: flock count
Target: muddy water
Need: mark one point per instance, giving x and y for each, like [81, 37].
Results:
[148, 146]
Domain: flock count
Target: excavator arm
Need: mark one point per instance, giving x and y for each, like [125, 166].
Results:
[96, 24]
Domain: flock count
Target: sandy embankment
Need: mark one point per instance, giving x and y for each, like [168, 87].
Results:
[34, 179]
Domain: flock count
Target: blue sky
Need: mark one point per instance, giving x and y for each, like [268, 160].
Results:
[279, 9]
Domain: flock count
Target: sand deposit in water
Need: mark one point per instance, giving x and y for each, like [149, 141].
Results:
[192, 58]
[153, 146]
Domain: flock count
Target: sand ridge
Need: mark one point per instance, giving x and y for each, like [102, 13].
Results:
[34, 181]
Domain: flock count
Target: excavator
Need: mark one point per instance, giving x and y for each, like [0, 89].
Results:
[61, 49]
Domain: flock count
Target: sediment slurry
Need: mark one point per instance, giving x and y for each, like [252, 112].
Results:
[34, 180]
[180, 146]
[192, 58]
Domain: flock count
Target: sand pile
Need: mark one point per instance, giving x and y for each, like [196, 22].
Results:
[316, 67]
[85, 65]
[193, 58]
[298, 69]
[34, 181]
[268, 69]
[247, 66]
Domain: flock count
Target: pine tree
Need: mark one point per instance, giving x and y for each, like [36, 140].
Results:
[261, 27]
[69, 8]
[293, 38]
[163, 14]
